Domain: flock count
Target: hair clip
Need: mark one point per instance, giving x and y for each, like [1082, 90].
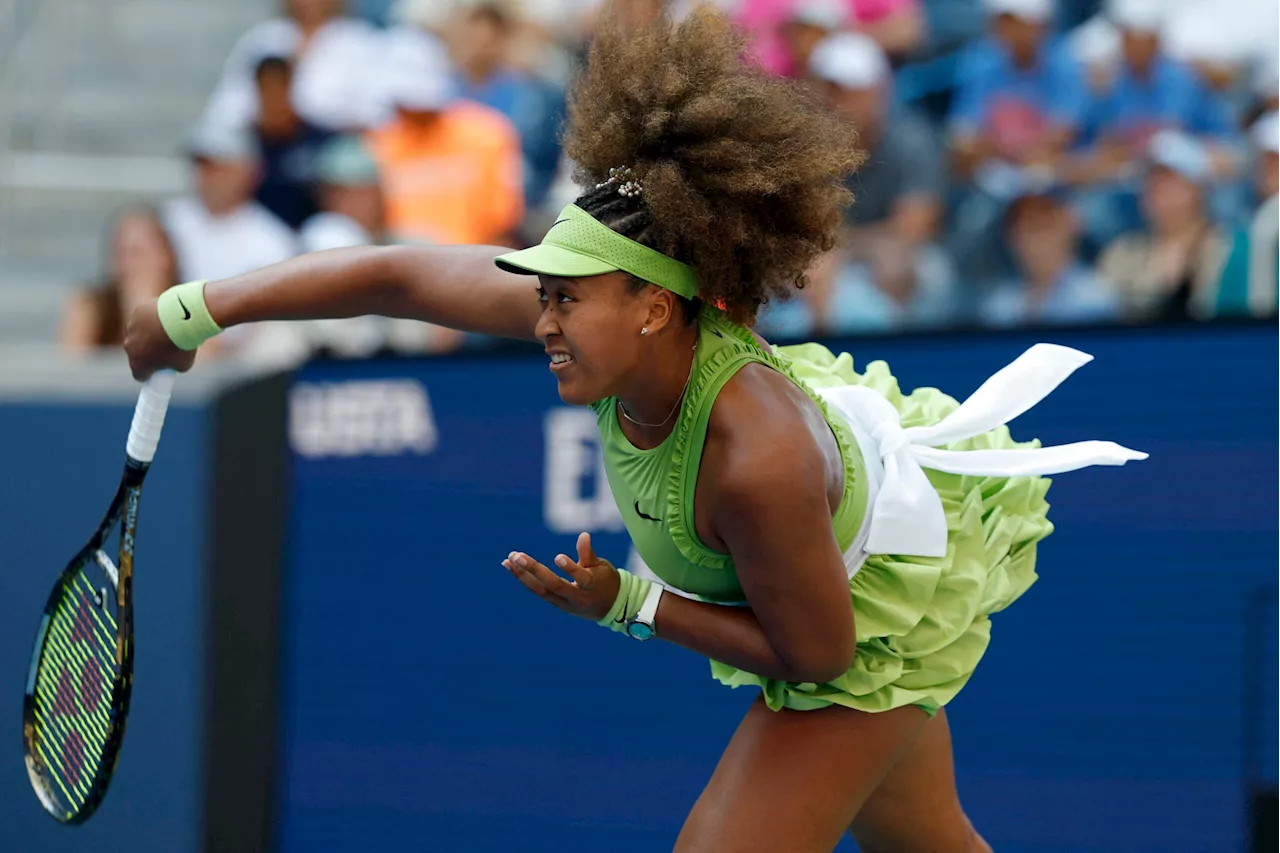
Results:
[624, 177]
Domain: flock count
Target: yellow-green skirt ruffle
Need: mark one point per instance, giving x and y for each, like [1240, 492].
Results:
[923, 623]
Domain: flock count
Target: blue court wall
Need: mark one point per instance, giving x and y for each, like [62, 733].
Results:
[59, 469]
[1128, 701]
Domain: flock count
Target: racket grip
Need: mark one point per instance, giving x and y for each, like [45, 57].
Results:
[148, 417]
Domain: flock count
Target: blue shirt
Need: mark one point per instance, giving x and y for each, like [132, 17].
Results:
[858, 306]
[1077, 297]
[1012, 106]
[1171, 96]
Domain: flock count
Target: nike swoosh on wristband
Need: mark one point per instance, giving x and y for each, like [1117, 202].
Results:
[186, 315]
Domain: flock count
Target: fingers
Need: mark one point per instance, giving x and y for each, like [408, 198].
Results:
[537, 577]
[580, 575]
[586, 554]
[532, 583]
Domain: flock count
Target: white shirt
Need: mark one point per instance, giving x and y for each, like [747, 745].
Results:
[210, 247]
[331, 81]
[325, 231]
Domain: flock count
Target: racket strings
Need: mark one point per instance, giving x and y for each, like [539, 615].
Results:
[73, 714]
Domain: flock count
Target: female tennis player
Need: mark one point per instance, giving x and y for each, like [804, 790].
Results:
[834, 541]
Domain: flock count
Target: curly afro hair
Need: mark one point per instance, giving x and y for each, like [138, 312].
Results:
[742, 173]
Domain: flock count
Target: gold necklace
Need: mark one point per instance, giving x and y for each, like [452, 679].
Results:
[622, 407]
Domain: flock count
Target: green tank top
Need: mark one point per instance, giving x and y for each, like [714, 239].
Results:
[654, 489]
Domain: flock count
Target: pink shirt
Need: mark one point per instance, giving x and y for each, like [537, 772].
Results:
[762, 18]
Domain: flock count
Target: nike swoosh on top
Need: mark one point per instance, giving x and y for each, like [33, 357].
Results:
[186, 315]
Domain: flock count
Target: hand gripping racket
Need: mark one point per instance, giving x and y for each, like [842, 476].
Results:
[81, 675]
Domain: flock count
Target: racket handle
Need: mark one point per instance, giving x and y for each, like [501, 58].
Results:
[148, 417]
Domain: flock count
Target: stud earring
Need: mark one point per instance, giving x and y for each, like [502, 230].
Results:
[644, 330]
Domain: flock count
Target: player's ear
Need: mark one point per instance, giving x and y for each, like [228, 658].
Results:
[662, 309]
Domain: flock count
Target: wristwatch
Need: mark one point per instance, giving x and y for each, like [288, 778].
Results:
[641, 627]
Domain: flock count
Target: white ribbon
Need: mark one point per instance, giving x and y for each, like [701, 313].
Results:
[906, 514]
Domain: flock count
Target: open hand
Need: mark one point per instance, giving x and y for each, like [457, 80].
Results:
[591, 592]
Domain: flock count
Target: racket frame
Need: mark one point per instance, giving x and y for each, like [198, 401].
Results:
[123, 511]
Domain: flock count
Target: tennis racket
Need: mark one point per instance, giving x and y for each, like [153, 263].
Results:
[81, 675]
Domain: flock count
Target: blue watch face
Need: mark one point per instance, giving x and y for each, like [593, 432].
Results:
[640, 631]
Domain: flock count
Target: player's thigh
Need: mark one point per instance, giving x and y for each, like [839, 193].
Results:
[793, 780]
[916, 809]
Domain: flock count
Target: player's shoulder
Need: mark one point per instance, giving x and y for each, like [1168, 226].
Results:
[762, 427]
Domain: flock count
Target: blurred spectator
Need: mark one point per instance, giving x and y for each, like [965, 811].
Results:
[899, 277]
[1052, 286]
[1221, 39]
[899, 189]
[350, 199]
[1248, 286]
[882, 292]
[1170, 271]
[777, 25]
[288, 144]
[140, 266]
[1020, 94]
[221, 231]
[480, 41]
[1147, 91]
[1141, 91]
[807, 24]
[333, 57]
[450, 169]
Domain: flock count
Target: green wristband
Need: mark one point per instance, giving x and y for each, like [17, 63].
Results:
[185, 317]
[631, 594]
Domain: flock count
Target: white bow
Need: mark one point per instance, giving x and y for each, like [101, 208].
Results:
[907, 517]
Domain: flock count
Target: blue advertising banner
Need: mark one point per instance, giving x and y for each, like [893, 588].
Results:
[431, 703]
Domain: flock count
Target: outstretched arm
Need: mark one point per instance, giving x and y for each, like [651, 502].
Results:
[454, 286]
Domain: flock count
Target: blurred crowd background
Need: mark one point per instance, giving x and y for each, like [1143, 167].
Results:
[1029, 162]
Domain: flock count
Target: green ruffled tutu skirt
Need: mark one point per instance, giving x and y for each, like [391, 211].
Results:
[923, 623]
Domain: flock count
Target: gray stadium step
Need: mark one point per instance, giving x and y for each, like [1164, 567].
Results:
[95, 79]
[58, 230]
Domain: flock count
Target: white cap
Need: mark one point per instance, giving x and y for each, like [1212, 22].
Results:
[221, 142]
[1095, 42]
[1266, 133]
[1036, 11]
[825, 14]
[1204, 34]
[850, 60]
[1140, 16]
[414, 72]
[1181, 153]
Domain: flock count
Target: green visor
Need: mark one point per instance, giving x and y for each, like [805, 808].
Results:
[578, 246]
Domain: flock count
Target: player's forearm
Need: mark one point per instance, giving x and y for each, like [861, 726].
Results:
[438, 285]
[734, 636]
[334, 284]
